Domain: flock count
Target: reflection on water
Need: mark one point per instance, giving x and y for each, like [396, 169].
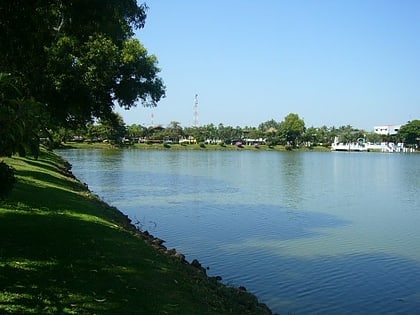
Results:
[292, 173]
[330, 233]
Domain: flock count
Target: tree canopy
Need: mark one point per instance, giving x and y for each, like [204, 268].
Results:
[410, 132]
[78, 59]
[20, 120]
[291, 128]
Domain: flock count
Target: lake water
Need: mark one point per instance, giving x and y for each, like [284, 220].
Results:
[308, 233]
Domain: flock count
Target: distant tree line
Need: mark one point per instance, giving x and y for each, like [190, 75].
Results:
[291, 131]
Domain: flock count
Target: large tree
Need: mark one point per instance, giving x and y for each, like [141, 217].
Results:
[112, 128]
[410, 132]
[77, 58]
[174, 131]
[292, 129]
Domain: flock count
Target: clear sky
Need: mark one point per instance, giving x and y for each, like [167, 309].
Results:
[333, 62]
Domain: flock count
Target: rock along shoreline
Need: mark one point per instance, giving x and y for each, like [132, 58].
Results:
[158, 245]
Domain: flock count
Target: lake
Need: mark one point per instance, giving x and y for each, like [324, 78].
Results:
[307, 232]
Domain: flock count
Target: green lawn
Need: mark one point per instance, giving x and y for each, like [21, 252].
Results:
[64, 251]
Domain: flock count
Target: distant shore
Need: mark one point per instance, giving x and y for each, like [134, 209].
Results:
[201, 147]
[196, 147]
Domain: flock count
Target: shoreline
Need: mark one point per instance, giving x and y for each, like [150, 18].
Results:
[212, 147]
[192, 147]
[158, 244]
[184, 287]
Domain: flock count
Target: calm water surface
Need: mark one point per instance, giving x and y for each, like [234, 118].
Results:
[308, 233]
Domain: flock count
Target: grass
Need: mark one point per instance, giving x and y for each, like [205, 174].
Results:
[64, 251]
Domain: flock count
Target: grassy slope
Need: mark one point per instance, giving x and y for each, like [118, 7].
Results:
[64, 251]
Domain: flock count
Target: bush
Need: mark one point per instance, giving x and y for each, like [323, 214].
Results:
[7, 179]
[202, 145]
[166, 145]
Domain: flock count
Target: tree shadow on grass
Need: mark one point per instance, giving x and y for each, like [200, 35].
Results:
[63, 265]
[47, 161]
[43, 164]
[26, 195]
[58, 264]
[54, 180]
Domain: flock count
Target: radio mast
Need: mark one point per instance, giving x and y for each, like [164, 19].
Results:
[196, 110]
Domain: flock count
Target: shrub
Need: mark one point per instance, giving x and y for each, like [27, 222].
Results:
[7, 179]
[202, 145]
[166, 145]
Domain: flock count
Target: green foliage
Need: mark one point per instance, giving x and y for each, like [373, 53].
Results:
[72, 61]
[291, 129]
[174, 131]
[348, 134]
[20, 120]
[322, 136]
[136, 131]
[410, 132]
[93, 133]
[222, 132]
[137, 80]
[253, 133]
[83, 54]
[7, 179]
[269, 126]
[373, 137]
[112, 128]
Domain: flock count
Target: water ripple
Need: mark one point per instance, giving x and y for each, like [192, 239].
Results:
[309, 233]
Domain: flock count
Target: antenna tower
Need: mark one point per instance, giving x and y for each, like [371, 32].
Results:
[196, 110]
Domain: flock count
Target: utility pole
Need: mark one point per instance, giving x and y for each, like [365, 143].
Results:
[196, 110]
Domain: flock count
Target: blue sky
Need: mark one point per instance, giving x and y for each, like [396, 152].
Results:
[333, 63]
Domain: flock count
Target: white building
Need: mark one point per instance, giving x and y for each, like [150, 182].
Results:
[387, 129]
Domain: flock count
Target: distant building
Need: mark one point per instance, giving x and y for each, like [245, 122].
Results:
[387, 130]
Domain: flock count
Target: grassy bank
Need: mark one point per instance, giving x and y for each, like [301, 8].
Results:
[64, 251]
